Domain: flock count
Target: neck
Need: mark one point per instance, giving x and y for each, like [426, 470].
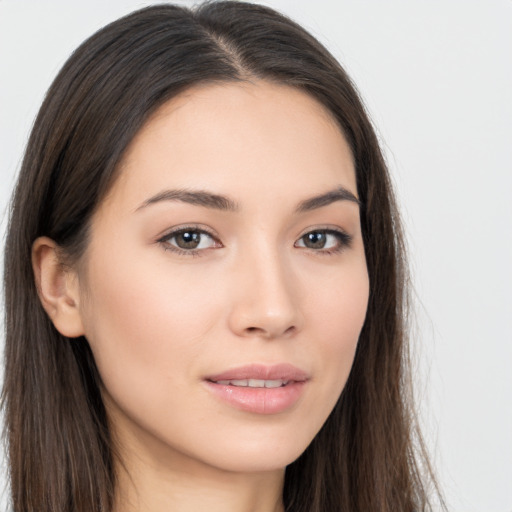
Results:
[151, 490]
[157, 480]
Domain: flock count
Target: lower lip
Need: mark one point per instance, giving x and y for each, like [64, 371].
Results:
[259, 400]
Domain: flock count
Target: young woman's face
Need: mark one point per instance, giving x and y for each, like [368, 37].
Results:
[225, 284]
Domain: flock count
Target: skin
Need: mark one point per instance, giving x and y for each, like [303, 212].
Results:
[160, 321]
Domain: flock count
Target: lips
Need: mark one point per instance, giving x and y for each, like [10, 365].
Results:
[254, 383]
[259, 389]
[283, 372]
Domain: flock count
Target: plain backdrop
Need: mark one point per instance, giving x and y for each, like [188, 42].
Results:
[437, 79]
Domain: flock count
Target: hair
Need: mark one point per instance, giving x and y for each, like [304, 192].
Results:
[369, 454]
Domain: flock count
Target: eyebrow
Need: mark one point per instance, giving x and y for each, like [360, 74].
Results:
[338, 194]
[223, 203]
[196, 197]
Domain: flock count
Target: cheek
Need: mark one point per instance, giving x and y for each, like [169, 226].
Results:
[147, 318]
[337, 298]
[336, 313]
[143, 325]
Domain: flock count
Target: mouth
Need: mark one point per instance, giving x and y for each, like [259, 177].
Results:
[253, 383]
[259, 389]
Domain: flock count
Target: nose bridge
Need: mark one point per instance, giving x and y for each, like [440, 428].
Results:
[266, 303]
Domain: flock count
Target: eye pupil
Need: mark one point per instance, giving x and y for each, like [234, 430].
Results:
[188, 240]
[315, 240]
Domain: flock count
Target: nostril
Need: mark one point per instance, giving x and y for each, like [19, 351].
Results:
[260, 331]
[290, 330]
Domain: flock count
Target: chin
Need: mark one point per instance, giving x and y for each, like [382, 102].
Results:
[244, 456]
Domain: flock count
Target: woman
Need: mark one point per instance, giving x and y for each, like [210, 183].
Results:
[205, 287]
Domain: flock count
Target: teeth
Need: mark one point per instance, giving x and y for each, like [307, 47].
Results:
[275, 383]
[241, 383]
[254, 383]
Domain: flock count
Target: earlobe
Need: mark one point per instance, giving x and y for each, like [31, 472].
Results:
[57, 287]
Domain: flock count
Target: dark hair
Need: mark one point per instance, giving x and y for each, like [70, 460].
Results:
[61, 455]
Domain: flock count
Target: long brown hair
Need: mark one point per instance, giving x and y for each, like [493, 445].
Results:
[60, 450]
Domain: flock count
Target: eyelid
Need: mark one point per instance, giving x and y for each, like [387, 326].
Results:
[183, 227]
[176, 230]
[344, 239]
[329, 228]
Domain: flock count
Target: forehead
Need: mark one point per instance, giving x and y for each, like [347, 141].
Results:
[238, 138]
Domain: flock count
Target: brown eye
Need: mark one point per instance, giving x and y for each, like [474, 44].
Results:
[324, 240]
[188, 239]
[315, 240]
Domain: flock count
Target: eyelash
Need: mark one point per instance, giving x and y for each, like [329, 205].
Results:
[165, 241]
[344, 241]
[343, 238]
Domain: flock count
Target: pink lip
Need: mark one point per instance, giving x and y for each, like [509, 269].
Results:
[259, 371]
[260, 400]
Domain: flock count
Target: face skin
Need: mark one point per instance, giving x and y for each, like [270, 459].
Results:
[160, 320]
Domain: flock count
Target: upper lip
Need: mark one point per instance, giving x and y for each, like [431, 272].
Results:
[284, 371]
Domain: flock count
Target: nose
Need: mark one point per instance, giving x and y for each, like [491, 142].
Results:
[265, 299]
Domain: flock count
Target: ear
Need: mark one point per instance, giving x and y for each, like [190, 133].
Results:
[58, 288]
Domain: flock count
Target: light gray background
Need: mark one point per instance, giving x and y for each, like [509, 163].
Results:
[437, 79]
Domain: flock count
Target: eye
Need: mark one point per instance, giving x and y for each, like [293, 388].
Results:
[188, 240]
[325, 240]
